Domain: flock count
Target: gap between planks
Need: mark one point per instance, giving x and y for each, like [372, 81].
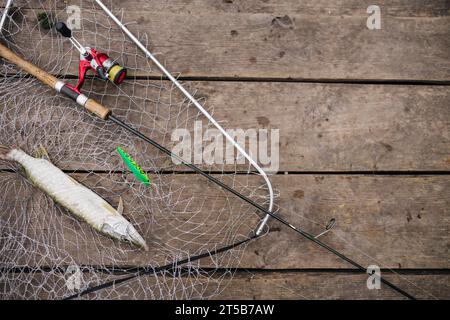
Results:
[394, 82]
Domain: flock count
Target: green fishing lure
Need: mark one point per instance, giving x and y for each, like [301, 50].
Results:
[134, 167]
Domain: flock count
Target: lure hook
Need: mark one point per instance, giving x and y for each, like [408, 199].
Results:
[330, 225]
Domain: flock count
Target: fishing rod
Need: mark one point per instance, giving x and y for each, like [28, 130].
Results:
[106, 114]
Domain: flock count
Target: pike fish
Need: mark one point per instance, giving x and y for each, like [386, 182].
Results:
[73, 196]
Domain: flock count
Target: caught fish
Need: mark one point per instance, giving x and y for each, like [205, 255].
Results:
[75, 197]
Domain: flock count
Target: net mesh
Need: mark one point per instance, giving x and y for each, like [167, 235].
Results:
[46, 253]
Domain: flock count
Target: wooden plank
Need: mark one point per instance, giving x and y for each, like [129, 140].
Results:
[311, 285]
[246, 285]
[394, 7]
[278, 39]
[390, 221]
[322, 127]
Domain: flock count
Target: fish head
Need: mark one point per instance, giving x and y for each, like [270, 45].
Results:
[119, 228]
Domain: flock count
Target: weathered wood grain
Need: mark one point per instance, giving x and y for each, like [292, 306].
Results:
[391, 221]
[285, 39]
[322, 127]
[250, 285]
[392, 7]
[394, 221]
[305, 285]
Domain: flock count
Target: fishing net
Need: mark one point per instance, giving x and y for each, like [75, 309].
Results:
[45, 252]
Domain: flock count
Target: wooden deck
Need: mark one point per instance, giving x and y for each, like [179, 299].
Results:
[364, 119]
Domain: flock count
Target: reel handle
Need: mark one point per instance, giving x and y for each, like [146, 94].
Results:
[62, 28]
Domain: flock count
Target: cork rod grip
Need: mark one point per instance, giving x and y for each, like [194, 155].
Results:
[28, 67]
[97, 109]
[46, 78]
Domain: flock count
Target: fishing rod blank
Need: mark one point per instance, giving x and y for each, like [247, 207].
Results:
[106, 114]
[269, 212]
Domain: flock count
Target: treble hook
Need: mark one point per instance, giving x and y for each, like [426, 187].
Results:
[330, 225]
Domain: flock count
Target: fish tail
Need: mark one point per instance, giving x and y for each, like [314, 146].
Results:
[4, 150]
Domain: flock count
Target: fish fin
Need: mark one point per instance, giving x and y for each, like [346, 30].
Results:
[42, 153]
[120, 206]
[4, 150]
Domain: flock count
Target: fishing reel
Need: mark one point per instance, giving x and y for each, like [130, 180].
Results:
[91, 59]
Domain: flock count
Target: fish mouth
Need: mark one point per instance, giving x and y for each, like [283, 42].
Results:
[135, 238]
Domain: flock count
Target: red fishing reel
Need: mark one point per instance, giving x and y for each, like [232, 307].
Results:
[91, 59]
